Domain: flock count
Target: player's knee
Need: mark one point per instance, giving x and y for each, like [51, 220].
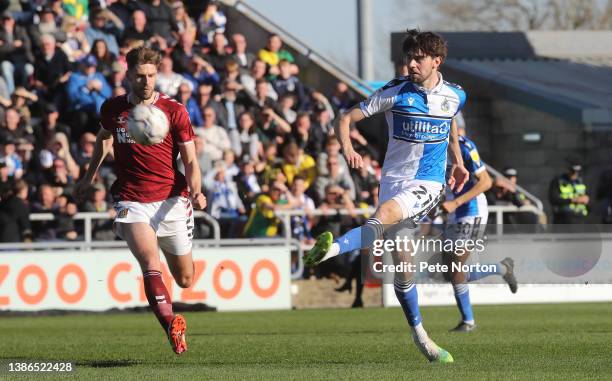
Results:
[184, 281]
[387, 214]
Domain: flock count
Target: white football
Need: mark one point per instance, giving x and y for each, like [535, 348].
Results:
[147, 124]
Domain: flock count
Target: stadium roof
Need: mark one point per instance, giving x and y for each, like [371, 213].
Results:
[576, 91]
[568, 74]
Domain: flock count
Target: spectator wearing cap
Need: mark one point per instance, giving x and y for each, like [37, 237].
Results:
[287, 83]
[15, 53]
[240, 55]
[505, 189]
[168, 81]
[568, 196]
[87, 90]
[98, 29]
[184, 97]
[215, 137]
[211, 21]
[15, 214]
[51, 70]
[76, 45]
[161, 19]
[46, 24]
[49, 125]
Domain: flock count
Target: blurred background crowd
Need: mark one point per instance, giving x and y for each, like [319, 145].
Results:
[264, 139]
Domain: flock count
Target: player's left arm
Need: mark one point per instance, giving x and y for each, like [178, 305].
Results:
[459, 175]
[193, 174]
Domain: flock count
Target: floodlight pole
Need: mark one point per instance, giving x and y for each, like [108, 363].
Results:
[364, 40]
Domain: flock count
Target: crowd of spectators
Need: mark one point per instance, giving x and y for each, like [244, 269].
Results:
[264, 138]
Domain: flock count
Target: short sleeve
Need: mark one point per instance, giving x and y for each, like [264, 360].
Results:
[461, 97]
[381, 100]
[182, 131]
[471, 159]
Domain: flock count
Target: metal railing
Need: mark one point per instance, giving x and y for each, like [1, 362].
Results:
[497, 210]
[88, 217]
[536, 201]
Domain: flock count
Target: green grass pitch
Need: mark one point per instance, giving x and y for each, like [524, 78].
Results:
[526, 342]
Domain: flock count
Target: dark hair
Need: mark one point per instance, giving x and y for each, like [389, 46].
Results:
[428, 43]
[250, 115]
[142, 56]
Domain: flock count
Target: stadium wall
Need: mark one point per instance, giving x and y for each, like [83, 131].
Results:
[228, 279]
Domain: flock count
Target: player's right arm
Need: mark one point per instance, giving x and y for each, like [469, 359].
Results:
[380, 101]
[353, 159]
[104, 144]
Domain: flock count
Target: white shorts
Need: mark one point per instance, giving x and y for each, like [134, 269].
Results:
[171, 219]
[415, 197]
[467, 227]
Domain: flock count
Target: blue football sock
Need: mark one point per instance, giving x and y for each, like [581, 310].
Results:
[462, 296]
[408, 297]
[475, 275]
[361, 237]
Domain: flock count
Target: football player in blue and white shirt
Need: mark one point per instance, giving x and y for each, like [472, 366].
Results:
[468, 212]
[419, 110]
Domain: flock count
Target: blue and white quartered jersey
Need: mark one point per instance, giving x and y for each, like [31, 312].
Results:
[419, 122]
[471, 160]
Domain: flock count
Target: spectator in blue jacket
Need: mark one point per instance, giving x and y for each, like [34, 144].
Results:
[184, 97]
[87, 90]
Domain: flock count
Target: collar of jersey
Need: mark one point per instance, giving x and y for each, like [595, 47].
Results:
[435, 90]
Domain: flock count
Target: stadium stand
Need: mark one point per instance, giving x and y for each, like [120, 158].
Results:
[260, 124]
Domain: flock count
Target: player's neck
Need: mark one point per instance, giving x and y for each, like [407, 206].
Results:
[431, 82]
[135, 100]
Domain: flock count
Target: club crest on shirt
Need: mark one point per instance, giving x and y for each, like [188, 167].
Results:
[122, 213]
[445, 105]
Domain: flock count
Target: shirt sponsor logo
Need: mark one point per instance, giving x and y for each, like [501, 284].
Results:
[123, 136]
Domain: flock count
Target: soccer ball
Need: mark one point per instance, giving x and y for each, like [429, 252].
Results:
[147, 124]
